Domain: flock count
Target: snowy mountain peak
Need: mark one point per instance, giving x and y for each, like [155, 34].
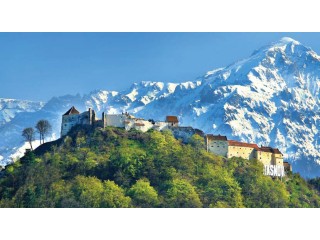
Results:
[283, 46]
[270, 98]
[288, 40]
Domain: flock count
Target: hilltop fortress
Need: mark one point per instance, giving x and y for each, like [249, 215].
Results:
[73, 117]
[271, 158]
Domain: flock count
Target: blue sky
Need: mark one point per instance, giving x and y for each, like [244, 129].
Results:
[38, 66]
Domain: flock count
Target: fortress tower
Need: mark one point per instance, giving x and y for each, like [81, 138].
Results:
[73, 117]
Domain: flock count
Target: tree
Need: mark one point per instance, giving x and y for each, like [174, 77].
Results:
[29, 197]
[181, 194]
[91, 192]
[28, 134]
[80, 141]
[218, 188]
[88, 191]
[43, 128]
[113, 196]
[197, 142]
[29, 158]
[126, 163]
[143, 195]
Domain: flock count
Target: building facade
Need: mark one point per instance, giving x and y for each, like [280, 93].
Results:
[172, 121]
[243, 150]
[287, 166]
[73, 117]
[138, 124]
[116, 120]
[271, 158]
[217, 144]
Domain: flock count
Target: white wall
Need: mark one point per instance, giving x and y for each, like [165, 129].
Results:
[116, 120]
[133, 123]
[218, 147]
[69, 121]
[159, 126]
[241, 151]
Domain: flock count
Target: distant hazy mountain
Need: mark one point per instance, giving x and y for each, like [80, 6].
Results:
[10, 107]
[271, 98]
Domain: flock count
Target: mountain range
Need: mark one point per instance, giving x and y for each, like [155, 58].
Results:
[270, 98]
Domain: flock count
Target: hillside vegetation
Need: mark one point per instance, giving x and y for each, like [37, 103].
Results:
[115, 168]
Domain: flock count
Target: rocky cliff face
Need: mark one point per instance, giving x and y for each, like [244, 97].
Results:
[270, 98]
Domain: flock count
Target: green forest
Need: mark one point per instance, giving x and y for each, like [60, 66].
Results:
[114, 168]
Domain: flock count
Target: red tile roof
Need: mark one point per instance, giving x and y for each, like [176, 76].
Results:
[265, 149]
[217, 137]
[269, 149]
[276, 151]
[173, 119]
[242, 144]
[72, 111]
[139, 124]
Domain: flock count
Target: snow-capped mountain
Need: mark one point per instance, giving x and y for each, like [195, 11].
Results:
[270, 98]
[10, 107]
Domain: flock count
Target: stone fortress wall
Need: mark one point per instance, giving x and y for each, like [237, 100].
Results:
[220, 145]
[216, 144]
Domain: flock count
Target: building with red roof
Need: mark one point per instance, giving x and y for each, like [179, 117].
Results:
[221, 146]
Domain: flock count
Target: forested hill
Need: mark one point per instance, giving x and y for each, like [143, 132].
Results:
[115, 168]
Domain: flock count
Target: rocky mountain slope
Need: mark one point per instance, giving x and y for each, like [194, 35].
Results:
[271, 98]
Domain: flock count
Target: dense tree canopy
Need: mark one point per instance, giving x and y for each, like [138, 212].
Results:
[114, 168]
[143, 195]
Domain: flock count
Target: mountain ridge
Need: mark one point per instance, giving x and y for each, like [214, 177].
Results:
[271, 98]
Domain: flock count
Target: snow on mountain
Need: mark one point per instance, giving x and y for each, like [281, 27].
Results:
[270, 98]
[9, 108]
